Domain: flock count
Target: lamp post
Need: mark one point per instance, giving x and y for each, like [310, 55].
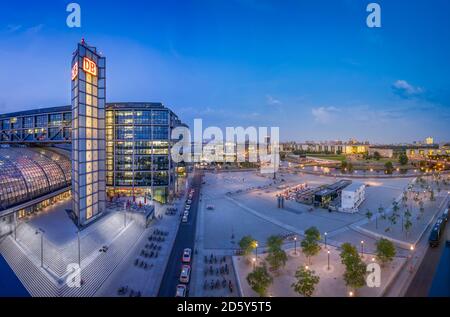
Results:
[295, 245]
[79, 248]
[256, 250]
[328, 253]
[412, 248]
[362, 248]
[325, 234]
[41, 232]
[254, 263]
[15, 226]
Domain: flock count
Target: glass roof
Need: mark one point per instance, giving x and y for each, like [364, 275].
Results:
[28, 173]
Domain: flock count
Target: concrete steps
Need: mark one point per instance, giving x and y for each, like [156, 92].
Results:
[39, 284]
[33, 279]
[96, 273]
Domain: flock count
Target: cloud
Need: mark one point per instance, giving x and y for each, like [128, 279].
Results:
[35, 29]
[21, 29]
[12, 28]
[323, 114]
[271, 101]
[405, 90]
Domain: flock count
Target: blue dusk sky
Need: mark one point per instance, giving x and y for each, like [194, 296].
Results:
[311, 67]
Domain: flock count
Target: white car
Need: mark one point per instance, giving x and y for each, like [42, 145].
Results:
[189, 202]
[187, 207]
[185, 274]
[185, 219]
[186, 213]
[187, 255]
[181, 290]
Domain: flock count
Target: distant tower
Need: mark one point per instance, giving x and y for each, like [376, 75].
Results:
[88, 133]
[429, 140]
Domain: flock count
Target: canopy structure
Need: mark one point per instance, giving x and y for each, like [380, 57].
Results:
[27, 173]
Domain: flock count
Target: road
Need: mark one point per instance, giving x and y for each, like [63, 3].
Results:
[422, 281]
[185, 239]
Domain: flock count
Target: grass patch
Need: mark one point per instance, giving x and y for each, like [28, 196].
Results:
[333, 157]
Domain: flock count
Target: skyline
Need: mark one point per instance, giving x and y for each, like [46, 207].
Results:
[232, 68]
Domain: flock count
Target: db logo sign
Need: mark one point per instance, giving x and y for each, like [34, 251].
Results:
[89, 66]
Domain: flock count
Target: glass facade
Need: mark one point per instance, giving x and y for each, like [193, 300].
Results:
[28, 173]
[88, 134]
[137, 141]
[138, 149]
[53, 125]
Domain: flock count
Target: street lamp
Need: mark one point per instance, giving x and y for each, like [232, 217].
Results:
[412, 248]
[350, 294]
[306, 267]
[254, 263]
[256, 250]
[325, 239]
[295, 245]
[328, 253]
[362, 248]
[41, 232]
[79, 248]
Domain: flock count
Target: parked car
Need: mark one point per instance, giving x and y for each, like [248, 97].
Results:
[184, 219]
[188, 202]
[187, 255]
[185, 274]
[434, 238]
[445, 215]
[181, 290]
[436, 232]
[187, 207]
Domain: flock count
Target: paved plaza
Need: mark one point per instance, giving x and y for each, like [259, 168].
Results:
[251, 209]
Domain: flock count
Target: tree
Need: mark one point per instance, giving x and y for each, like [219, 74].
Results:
[247, 245]
[355, 269]
[276, 259]
[403, 159]
[381, 212]
[389, 167]
[343, 165]
[421, 209]
[310, 244]
[276, 256]
[369, 215]
[385, 250]
[306, 281]
[408, 225]
[259, 280]
[377, 155]
[350, 167]
[274, 243]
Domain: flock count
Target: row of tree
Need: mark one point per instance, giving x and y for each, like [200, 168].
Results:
[306, 279]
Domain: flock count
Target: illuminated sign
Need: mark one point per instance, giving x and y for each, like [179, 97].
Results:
[75, 71]
[89, 66]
